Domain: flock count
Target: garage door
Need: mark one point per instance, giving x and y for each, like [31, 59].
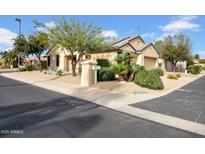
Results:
[149, 62]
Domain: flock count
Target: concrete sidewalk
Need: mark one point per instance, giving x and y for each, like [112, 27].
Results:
[102, 97]
[99, 96]
[117, 101]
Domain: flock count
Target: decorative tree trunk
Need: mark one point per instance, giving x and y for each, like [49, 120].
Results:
[40, 63]
[73, 68]
[174, 64]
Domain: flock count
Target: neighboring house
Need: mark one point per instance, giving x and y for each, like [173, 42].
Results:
[144, 54]
[34, 60]
[167, 65]
[58, 58]
[196, 61]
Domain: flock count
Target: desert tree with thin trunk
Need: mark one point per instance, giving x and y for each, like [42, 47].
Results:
[78, 38]
[21, 47]
[176, 48]
[38, 43]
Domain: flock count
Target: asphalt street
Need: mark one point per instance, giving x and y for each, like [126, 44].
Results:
[29, 111]
[187, 102]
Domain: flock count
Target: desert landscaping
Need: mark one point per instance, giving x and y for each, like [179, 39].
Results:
[115, 86]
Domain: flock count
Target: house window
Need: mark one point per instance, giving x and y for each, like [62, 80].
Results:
[57, 60]
[49, 60]
[129, 60]
[87, 56]
[119, 53]
[74, 58]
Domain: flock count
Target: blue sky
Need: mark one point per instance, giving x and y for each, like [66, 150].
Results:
[151, 28]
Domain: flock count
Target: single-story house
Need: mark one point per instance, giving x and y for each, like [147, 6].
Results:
[143, 53]
[195, 60]
[167, 65]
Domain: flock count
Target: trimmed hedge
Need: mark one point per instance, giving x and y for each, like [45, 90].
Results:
[29, 67]
[103, 62]
[202, 61]
[178, 75]
[172, 77]
[59, 72]
[137, 68]
[148, 79]
[158, 71]
[21, 69]
[105, 74]
[194, 69]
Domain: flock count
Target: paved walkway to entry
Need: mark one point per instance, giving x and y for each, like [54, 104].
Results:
[119, 102]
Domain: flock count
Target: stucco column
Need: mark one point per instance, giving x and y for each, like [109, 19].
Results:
[140, 60]
[89, 73]
[157, 63]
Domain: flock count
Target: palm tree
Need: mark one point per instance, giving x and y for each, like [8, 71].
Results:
[10, 58]
[123, 68]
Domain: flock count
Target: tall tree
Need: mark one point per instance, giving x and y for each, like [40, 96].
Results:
[38, 43]
[158, 43]
[21, 47]
[10, 58]
[176, 48]
[77, 38]
[196, 56]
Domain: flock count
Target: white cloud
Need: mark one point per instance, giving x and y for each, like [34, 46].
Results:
[6, 39]
[179, 24]
[150, 35]
[47, 25]
[109, 34]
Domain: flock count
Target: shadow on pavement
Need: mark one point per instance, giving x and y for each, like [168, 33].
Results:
[42, 114]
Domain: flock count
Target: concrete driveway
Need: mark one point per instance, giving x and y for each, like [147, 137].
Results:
[187, 102]
[184, 108]
[30, 111]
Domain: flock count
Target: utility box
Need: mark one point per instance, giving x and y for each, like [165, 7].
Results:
[89, 73]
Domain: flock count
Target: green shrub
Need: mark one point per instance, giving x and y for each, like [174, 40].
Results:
[121, 70]
[202, 61]
[148, 79]
[103, 62]
[137, 68]
[133, 69]
[190, 62]
[123, 58]
[59, 72]
[105, 74]
[178, 75]
[21, 69]
[194, 69]
[158, 71]
[29, 67]
[37, 67]
[172, 76]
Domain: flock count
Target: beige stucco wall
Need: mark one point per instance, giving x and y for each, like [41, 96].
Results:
[150, 52]
[140, 60]
[106, 55]
[150, 63]
[127, 48]
[150, 57]
[137, 43]
[57, 51]
[62, 52]
[168, 66]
